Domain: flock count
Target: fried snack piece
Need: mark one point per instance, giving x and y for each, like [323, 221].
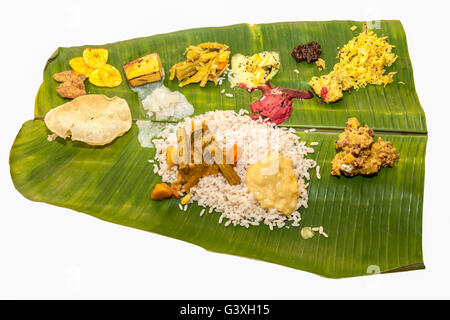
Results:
[106, 76]
[95, 58]
[79, 65]
[360, 155]
[144, 70]
[72, 85]
[94, 119]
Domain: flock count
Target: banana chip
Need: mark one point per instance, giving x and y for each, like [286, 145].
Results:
[95, 58]
[79, 65]
[106, 76]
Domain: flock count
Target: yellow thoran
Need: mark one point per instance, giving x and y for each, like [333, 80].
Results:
[361, 61]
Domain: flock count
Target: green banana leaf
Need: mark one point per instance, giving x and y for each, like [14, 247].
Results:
[373, 223]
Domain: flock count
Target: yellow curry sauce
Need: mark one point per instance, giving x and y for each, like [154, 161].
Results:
[272, 181]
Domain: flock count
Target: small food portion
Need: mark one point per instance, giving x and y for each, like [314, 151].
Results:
[167, 105]
[361, 62]
[161, 191]
[360, 155]
[93, 64]
[320, 64]
[275, 103]
[95, 58]
[355, 137]
[72, 85]
[307, 233]
[238, 182]
[308, 52]
[273, 183]
[144, 70]
[93, 119]
[253, 71]
[204, 62]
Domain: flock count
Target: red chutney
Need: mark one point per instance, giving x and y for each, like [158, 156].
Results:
[275, 103]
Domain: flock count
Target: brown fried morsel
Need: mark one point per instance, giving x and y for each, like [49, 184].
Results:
[382, 154]
[355, 138]
[72, 85]
[360, 155]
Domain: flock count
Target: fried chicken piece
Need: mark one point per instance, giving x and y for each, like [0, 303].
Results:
[355, 138]
[382, 154]
[360, 155]
[344, 163]
[72, 85]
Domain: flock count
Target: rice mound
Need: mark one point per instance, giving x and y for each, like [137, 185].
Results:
[256, 139]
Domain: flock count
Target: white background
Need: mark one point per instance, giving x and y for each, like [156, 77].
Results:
[52, 252]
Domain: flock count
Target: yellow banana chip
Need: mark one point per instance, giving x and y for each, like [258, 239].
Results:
[106, 76]
[79, 65]
[95, 58]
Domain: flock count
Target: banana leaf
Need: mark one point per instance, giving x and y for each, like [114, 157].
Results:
[373, 223]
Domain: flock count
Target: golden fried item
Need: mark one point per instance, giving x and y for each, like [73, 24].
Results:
[94, 119]
[360, 155]
[72, 85]
[204, 62]
[79, 65]
[95, 58]
[106, 76]
[144, 70]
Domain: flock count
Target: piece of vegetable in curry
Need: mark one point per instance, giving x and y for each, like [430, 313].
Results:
[161, 191]
[359, 153]
[199, 155]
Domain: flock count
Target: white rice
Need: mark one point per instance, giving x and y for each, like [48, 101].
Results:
[320, 230]
[235, 203]
[318, 172]
[202, 212]
[229, 95]
[314, 144]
